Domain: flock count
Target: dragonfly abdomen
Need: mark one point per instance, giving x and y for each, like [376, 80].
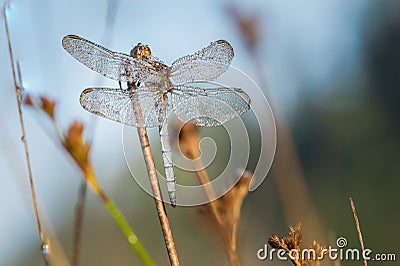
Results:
[168, 164]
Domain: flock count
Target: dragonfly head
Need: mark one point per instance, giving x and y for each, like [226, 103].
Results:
[140, 51]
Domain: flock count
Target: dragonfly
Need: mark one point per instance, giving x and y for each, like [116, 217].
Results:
[154, 89]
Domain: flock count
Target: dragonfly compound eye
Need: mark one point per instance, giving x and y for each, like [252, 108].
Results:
[140, 51]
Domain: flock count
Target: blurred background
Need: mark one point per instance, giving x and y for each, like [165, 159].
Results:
[330, 69]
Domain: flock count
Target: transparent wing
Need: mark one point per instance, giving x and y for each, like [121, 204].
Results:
[110, 64]
[205, 65]
[209, 107]
[142, 107]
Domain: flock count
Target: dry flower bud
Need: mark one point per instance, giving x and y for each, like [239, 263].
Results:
[27, 100]
[47, 106]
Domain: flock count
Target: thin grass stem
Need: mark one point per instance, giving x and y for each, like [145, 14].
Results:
[353, 209]
[79, 151]
[44, 242]
[79, 210]
[126, 230]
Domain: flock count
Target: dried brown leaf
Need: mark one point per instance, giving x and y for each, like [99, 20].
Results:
[75, 144]
[47, 106]
[248, 27]
[28, 100]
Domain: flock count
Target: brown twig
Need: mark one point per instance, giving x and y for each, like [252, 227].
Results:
[353, 209]
[224, 212]
[189, 143]
[44, 241]
[152, 173]
[228, 208]
[155, 186]
[79, 210]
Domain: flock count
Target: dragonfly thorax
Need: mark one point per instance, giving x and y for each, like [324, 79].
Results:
[140, 51]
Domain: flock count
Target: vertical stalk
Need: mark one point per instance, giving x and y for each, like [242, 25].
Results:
[45, 244]
[353, 209]
[79, 210]
[155, 186]
[190, 137]
[152, 173]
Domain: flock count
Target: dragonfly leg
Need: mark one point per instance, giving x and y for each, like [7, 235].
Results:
[168, 164]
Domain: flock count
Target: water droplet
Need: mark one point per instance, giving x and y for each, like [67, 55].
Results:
[132, 239]
[45, 248]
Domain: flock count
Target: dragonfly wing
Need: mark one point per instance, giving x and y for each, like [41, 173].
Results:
[205, 65]
[142, 107]
[209, 107]
[110, 64]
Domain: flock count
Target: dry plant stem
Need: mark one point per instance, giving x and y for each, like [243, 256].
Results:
[296, 262]
[202, 176]
[190, 140]
[233, 258]
[21, 120]
[353, 208]
[162, 215]
[155, 186]
[79, 210]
